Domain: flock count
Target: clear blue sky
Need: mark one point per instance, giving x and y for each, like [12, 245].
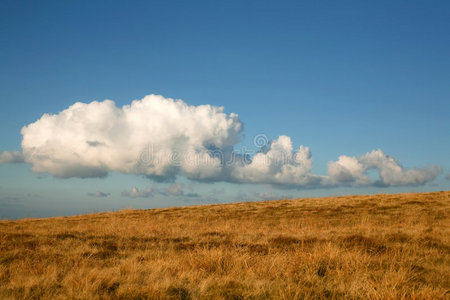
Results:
[342, 77]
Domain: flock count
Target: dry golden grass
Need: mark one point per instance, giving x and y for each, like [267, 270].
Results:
[375, 247]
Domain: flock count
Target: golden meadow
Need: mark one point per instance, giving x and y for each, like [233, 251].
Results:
[357, 247]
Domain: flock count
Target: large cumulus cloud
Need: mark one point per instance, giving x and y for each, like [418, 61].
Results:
[161, 138]
[154, 136]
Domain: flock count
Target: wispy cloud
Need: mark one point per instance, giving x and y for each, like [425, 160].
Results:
[11, 157]
[174, 190]
[136, 193]
[99, 194]
[177, 189]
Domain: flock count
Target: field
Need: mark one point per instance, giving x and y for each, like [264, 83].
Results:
[361, 247]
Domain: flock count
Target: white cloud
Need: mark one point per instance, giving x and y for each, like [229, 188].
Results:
[162, 138]
[347, 170]
[11, 157]
[154, 136]
[353, 170]
[278, 165]
[392, 173]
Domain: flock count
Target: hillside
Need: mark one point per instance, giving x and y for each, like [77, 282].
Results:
[378, 246]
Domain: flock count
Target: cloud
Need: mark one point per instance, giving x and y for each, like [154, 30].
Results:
[279, 164]
[353, 170]
[347, 170]
[163, 138]
[99, 194]
[177, 189]
[447, 176]
[155, 136]
[11, 157]
[136, 193]
[174, 190]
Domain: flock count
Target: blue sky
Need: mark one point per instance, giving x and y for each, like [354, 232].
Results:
[340, 77]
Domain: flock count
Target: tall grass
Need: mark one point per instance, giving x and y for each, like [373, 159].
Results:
[360, 247]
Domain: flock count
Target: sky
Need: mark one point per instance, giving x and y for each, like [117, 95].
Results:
[108, 105]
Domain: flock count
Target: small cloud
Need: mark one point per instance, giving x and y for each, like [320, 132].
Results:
[175, 189]
[447, 176]
[14, 157]
[265, 196]
[94, 143]
[136, 193]
[192, 195]
[354, 170]
[98, 194]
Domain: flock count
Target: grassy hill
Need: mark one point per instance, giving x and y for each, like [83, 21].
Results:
[378, 246]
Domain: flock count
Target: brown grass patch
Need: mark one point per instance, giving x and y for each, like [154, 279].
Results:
[357, 247]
